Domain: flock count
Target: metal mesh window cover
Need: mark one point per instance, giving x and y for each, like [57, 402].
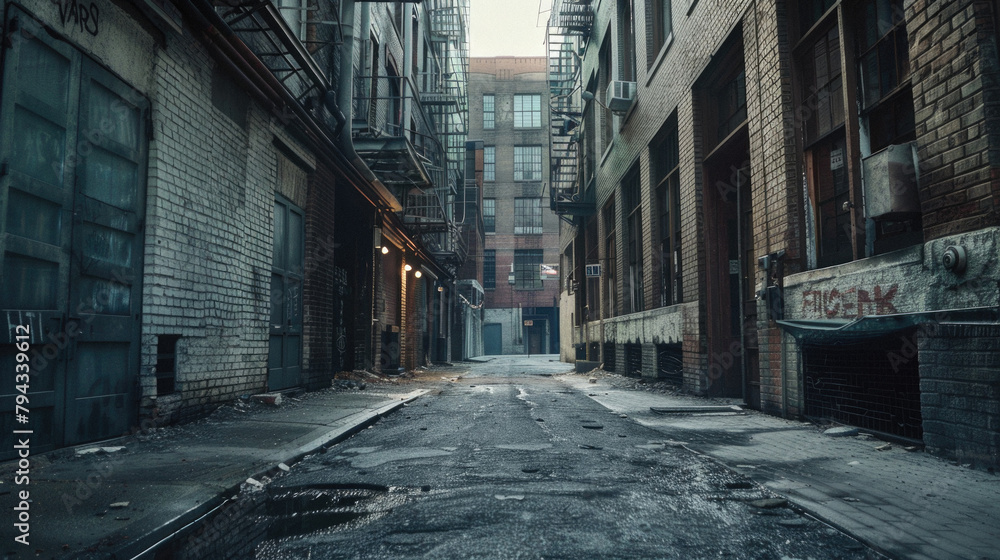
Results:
[527, 111]
[609, 356]
[527, 264]
[489, 269]
[489, 163]
[489, 111]
[527, 216]
[489, 214]
[633, 360]
[670, 363]
[870, 384]
[527, 163]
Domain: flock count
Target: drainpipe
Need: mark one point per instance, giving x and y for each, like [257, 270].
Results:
[341, 101]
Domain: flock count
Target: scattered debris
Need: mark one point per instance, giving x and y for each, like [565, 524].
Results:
[255, 483]
[593, 380]
[272, 399]
[884, 447]
[119, 505]
[284, 467]
[588, 446]
[518, 497]
[592, 426]
[841, 431]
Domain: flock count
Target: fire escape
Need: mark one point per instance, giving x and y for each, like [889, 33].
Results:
[446, 100]
[568, 30]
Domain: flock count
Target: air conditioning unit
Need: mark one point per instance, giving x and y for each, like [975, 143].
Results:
[620, 96]
[891, 178]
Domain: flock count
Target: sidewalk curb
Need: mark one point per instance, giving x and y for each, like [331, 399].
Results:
[144, 546]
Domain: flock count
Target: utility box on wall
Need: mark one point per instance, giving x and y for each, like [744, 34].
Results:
[891, 178]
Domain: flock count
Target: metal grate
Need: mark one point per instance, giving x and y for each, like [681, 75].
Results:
[670, 363]
[633, 359]
[873, 384]
[609, 356]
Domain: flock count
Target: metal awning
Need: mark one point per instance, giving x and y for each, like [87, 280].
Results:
[841, 331]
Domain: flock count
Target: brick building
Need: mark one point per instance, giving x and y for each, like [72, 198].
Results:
[793, 203]
[203, 202]
[509, 113]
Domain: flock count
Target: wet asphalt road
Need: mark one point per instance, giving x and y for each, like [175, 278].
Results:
[508, 462]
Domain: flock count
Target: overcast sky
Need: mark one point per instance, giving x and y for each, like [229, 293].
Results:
[508, 27]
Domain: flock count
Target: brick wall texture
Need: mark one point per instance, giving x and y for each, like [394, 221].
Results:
[954, 75]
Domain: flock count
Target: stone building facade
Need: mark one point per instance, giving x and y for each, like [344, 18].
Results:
[509, 113]
[189, 216]
[791, 203]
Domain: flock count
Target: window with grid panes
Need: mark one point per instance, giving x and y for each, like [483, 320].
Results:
[824, 139]
[527, 111]
[664, 158]
[489, 214]
[489, 269]
[489, 163]
[489, 111]
[633, 238]
[527, 163]
[659, 20]
[527, 269]
[527, 216]
[610, 263]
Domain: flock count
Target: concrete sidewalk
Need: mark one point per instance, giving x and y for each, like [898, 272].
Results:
[99, 501]
[906, 504]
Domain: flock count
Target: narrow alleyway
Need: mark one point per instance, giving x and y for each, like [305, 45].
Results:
[507, 461]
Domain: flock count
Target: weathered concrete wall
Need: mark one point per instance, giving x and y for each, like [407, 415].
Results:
[904, 281]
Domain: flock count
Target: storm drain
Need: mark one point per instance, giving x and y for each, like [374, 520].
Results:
[873, 384]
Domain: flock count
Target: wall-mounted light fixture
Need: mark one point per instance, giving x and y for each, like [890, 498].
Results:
[407, 268]
[385, 250]
[418, 274]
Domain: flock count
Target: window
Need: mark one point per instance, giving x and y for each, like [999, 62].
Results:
[823, 85]
[626, 40]
[731, 104]
[527, 216]
[527, 163]
[883, 66]
[604, 79]
[610, 267]
[664, 175]
[633, 231]
[527, 111]
[660, 22]
[489, 269]
[489, 111]
[527, 269]
[489, 214]
[489, 163]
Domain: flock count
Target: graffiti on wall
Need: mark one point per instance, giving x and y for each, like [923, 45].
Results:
[850, 303]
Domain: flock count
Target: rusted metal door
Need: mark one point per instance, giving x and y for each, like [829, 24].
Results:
[72, 189]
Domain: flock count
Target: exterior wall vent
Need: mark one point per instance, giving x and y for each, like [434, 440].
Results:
[620, 96]
[891, 177]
